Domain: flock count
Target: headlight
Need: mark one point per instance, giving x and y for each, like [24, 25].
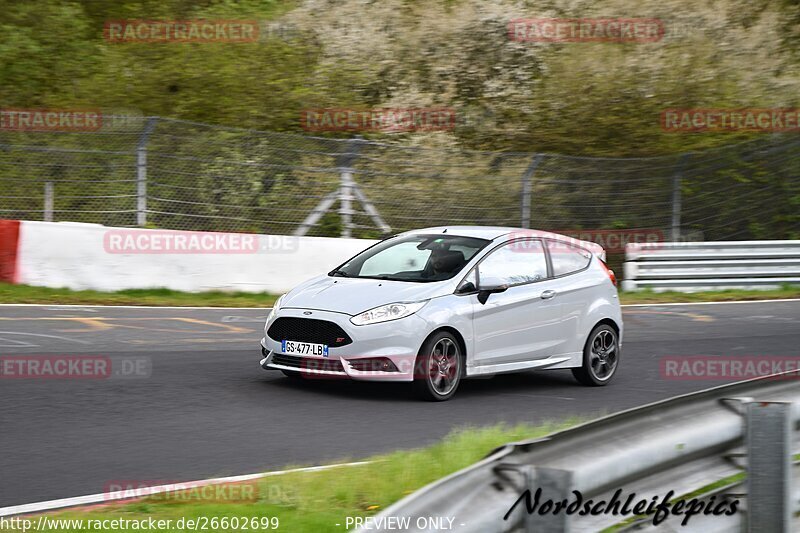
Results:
[275, 307]
[387, 312]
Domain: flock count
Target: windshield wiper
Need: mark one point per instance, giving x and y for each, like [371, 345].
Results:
[385, 277]
[339, 273]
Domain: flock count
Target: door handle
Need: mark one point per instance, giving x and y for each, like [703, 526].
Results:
[546, 295]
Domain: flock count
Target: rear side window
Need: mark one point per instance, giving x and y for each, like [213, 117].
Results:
[567, 258]
[515, 263]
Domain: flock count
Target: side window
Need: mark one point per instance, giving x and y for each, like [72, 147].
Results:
[515, 263]
[567, 258]
[466, 250]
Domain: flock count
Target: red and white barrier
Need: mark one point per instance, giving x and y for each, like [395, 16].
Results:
[90, 256]
[9, 240]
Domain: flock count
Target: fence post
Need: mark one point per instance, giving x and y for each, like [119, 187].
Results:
[141, 172]
[677, 198]
[346, 203]
[48, 201]
[769, 466]
[346, 185]
[527, 189]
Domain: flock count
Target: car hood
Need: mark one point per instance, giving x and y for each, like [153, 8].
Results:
[353, 296]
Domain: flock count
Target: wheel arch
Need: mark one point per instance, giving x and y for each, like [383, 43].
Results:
[609, 322]
[453, 331]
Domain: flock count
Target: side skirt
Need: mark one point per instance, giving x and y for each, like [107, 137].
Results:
[568, 360]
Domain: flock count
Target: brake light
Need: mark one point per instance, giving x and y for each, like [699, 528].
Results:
[610, 272]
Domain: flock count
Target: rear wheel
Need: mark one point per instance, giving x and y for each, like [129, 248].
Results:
[600, 357]
[438, 368]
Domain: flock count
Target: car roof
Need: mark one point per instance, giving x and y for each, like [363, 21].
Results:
[481, 232]
[494, 232]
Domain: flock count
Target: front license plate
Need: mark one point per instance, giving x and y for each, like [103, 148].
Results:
[304, 348]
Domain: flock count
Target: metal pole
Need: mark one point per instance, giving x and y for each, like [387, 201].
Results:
[346, 186]
[370, 209]
[141, 187]
[48, 201]
[313, 217]
[769, 467]
[677, 198]
[346, 203]
[141, 172]
[527, 189]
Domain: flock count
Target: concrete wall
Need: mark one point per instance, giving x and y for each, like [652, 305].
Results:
[89, 256]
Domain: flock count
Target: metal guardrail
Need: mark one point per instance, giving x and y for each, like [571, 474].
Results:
[695, 266]
[684, 445]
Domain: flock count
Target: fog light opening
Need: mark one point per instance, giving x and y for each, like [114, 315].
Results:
[374, 364]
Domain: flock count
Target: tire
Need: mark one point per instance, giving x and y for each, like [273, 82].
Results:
[601, 356]
[293, 374]
[438, 368]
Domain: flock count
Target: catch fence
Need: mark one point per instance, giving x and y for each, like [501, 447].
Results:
[175, 174]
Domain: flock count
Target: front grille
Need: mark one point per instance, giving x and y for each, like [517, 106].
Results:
[307, 363]
[290, 328]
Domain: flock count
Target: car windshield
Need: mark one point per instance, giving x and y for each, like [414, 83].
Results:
[417, 258]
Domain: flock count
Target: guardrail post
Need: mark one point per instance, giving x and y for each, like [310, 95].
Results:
[677, 198]
[527, 189]
[769, 466]
[48, 201]
[556, 485]
[141, 172]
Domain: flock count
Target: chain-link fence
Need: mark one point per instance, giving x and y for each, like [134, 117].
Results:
[165, 173]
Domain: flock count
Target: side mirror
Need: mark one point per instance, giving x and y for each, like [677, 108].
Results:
[466, 288]
[489, 286]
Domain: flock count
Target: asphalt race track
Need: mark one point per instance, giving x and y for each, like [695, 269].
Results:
[204, 408]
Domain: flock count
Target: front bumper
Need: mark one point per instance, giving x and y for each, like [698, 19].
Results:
[396, 340]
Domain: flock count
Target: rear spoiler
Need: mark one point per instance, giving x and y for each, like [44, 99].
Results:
[597, 250]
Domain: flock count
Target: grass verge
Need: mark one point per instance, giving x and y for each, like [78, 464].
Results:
[649, 297]
[318, 501]
[25, 294]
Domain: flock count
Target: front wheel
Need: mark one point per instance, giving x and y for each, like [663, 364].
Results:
[437, 371]
[600, 357]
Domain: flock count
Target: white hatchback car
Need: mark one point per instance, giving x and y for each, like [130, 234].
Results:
[436, 305]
